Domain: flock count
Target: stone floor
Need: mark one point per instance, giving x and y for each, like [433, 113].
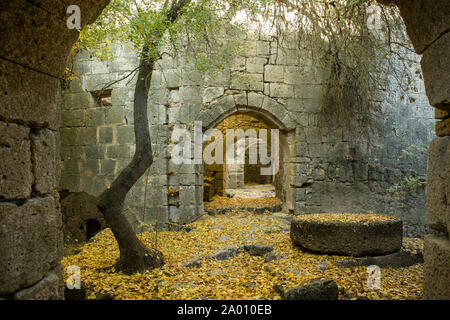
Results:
[257, 198]
[252, 191]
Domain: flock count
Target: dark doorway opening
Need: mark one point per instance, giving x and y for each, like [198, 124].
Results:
[92, 228]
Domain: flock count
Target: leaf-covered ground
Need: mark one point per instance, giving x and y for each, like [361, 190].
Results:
[241, 277]
[219, 202]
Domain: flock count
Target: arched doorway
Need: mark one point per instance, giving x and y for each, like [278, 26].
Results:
[253, 163]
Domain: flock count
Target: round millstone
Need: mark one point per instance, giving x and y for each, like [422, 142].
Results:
[350, 234]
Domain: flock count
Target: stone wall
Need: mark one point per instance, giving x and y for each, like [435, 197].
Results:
[33, 49]
[34, 46]
[325, 167]
[428, 26]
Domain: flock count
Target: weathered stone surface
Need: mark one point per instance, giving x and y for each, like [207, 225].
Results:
[49, 288]
[30, 242]
[28, 97]
[436, 268]
[425, 20]
[348, 238]
[272, 256]
[225, 254]
[273, 73]
[15, 163]
[438, 184]
[28, 25]
[258, 249]
[436, 70]
[105, 135]
[281, 90]
[212, 93]
[400, 259]
[443, 128]
[256, 65]
[316, 289]
[34, 46]
[46, 160]
[81, 217]
[441, 114]
[195, 263]
[347, 263]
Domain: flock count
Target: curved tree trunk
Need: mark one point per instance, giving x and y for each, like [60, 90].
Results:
[134, 255]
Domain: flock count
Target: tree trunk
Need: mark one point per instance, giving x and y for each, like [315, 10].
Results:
[134, 255]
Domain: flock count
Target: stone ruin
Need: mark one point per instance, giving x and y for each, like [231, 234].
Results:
[81, 218]
[324, 167]
[33, 58]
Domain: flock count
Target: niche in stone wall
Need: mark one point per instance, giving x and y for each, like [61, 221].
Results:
[102, 97]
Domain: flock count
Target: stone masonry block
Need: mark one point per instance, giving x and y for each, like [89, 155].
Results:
[425, 21]
[256, 65]
[263, 49]
[105, 135]
[438, 184]
[15, 164]
[120, 96]
[119, 152]
[73, 118]
[443, 128]
[30, 242]
[436, 71]
[95, 117]
[281, 90]
[28, 96]
[46, 160]
[125, 134]
[115, 115]
[274, 73]
[172, 78]
[107, 166]
[294, 75]
[81, 100]
[49, 288]
[436, 268]
[212, 93]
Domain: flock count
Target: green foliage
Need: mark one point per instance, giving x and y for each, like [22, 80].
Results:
[71, 244]
[146, 227]
[146, 26]
[408, 184]
[69, 239]
[413, 151]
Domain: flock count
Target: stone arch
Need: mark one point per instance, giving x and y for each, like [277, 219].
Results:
[258, 104]
[270, 112]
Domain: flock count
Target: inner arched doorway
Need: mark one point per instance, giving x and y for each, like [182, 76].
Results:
[254, 152]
